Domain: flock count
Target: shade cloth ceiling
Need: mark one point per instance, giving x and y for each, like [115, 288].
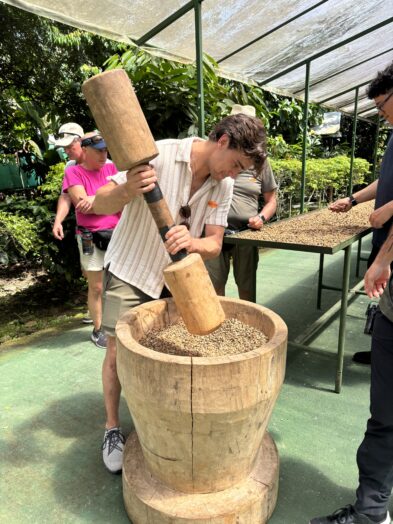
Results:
[275, 36]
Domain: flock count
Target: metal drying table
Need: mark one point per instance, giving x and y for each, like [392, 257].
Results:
[275, 236]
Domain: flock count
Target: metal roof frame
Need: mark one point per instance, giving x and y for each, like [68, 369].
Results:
[273, 30]
[329, 49]
[344, 70]
[196, 6]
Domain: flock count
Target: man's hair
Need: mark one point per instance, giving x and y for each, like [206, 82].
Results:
[382, 84]
[246, 134]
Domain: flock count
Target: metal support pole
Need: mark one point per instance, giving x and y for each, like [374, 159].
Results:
[358, 257]
[199, 66]
[305, 125]
[355, 121]
[254, 267]
[376, 147]
[343, 318]
[320, 280]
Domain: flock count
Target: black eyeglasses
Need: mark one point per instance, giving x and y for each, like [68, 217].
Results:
[92, 140]
[64, 135]
[381, 105]
[185, 214]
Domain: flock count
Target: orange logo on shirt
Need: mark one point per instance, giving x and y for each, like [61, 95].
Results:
[212, 203]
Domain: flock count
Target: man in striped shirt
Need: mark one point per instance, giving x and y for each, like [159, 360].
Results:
[192, 173]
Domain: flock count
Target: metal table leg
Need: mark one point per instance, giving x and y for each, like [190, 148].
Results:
[343, 315]
[254, 275]
[320, 278]
[358, 257]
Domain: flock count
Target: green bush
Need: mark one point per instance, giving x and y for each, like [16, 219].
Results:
[52, 187]
[19, 239]
[7, 159]
[26, 230]
[326, 178]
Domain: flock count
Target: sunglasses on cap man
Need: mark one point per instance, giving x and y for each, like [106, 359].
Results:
[66, 135]
[96, 141]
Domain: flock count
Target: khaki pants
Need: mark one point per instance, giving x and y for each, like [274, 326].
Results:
[242, 257]
[119, 297]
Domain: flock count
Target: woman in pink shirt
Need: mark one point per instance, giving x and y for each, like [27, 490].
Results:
[81, 182]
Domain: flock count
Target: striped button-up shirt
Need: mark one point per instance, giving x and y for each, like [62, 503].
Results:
[136, 253]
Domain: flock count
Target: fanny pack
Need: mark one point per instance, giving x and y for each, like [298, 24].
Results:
[102, 238]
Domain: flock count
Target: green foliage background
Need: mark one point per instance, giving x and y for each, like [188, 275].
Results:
[42, 72]
[26, 231]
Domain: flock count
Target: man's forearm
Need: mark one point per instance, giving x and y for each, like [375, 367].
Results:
[110, 199]
[367, 193]
[207, 247]
[269, 209]
[63, 208]
[385, 255]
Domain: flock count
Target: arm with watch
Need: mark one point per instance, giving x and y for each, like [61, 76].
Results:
[364, 195]
[258, 221]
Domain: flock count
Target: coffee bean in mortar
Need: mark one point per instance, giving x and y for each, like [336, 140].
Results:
[232, 337]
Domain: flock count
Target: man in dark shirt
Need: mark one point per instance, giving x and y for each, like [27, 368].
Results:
[375, 454]
[382, 217]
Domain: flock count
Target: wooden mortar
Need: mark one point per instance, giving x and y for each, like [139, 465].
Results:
[200, 421]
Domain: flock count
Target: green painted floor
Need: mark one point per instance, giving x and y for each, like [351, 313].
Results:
[51, 412]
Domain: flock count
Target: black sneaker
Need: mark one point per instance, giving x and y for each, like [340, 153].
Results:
[112, 449]
[99, 338]
[362, 357]
[348, 515]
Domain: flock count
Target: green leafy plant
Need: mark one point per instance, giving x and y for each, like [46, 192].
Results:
[325, 178]
[19, 239]
[60, 259]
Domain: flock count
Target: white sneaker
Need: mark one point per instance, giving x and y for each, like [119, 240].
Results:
[112, 449]
[87, 318]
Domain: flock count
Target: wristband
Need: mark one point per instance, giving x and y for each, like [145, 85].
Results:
[262, 218]
[353, 201]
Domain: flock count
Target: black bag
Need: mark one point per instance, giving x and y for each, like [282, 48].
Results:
[231, 231]
[102, 238]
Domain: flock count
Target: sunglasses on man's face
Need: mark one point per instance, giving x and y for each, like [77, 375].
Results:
[185, 214]
[92, 140]
[65, 135]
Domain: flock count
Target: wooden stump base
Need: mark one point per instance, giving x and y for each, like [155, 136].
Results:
[148, 501]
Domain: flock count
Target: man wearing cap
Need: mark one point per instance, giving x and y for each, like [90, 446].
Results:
[81, 182]
[69, 138]
[244, 213]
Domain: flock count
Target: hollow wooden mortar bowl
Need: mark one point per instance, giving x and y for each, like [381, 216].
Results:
[201, 453]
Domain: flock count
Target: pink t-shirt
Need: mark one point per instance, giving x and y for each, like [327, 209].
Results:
[91, 181]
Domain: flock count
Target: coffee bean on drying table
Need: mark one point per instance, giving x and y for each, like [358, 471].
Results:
[318, 228]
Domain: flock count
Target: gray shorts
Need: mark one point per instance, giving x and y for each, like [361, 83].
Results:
[118, 297]
[242, 257]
